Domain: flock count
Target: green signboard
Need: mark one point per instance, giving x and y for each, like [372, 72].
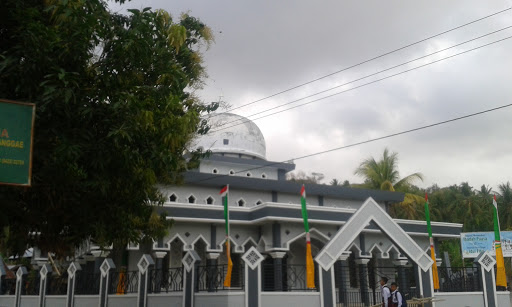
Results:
[16, 130]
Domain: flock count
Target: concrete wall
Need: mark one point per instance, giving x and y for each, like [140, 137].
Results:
[338, 203]
[286, 198]
[220, 299]
[56, 301]
[122, 300]
[225, 168]
[167, 300]
[202, 193]
[243, 232]
[461, 299]
[29, 300]
[250, 197]
[86, 300]
[7, 300]
[375, 243]
[504, 298]
[310, 299]
[154, 300]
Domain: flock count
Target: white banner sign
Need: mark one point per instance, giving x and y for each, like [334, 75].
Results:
[473, 243]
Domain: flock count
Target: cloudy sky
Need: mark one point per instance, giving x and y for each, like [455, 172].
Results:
[264, 47]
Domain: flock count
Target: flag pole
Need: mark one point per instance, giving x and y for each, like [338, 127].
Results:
[310, 265]
[224, 192]
[501, 278]
[435, 275]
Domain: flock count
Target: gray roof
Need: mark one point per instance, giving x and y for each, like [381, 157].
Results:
[256, 163]
[283, 186]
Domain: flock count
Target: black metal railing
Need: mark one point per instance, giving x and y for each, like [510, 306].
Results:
[8, 286]
[58, 285]
[211, 278]
[123, 282]
[358, 285]
[32, 283]
[87, 283]
[296, 278]
[170, 280]
[460, 279]
[293, 278]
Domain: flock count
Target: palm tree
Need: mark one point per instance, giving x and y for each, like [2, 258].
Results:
[334, 182]
[485, 191]
[383, 175]
[506, 192]
[505, 205]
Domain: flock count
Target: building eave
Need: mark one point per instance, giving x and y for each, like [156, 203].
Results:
[192, 178]
[269, 212]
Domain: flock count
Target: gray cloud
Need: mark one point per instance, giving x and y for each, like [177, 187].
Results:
[266, 47]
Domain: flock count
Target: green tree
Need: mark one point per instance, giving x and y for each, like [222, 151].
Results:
[505, 192]
[334, 182]
[302, 177]
[115, 113]
[485, 191]
[504, 205]
[460, 204]
[383, 175]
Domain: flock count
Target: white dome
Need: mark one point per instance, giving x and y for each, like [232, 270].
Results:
[233, 134]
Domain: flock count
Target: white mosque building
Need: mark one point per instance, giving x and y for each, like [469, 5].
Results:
[265, 213]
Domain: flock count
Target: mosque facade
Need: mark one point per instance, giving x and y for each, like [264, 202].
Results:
[265, 213]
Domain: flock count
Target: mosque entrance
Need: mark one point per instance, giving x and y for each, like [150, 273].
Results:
[416, 279]
[349, 279]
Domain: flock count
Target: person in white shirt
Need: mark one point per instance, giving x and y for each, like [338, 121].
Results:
[396, 297]
[386, 294]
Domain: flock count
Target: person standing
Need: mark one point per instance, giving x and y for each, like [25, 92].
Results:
[396, 296]
[386, 293]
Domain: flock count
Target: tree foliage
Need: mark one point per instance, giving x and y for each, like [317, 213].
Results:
[458, 203]
[115, 113]
[336, 182]
[383, 174]
[304, 178]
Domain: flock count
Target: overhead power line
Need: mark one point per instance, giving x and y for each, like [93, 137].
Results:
[362, 85]
[365, 77]
[367, 141]
[365, 61]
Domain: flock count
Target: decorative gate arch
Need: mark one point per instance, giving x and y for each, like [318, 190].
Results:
[370, 211]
